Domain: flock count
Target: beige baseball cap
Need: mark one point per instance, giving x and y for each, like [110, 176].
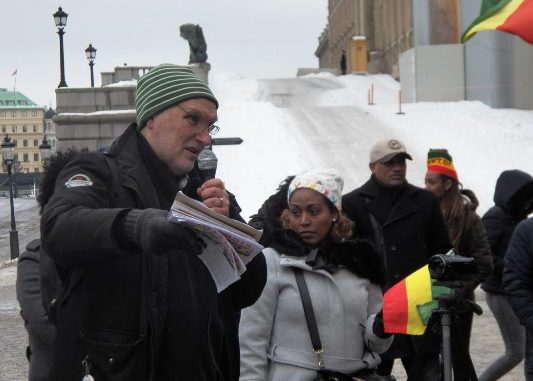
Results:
[384, 150]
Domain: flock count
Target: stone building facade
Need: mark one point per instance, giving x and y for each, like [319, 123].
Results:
[93, 117]
[387, 26]
[23, 121]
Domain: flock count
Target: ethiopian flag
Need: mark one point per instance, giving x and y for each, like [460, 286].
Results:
[408, 304]
[510, 16]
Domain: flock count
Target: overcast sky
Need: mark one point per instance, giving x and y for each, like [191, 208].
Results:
[257, 39]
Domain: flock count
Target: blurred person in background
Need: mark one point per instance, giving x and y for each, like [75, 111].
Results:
[518, 283]
[466, 231]
[513, 201]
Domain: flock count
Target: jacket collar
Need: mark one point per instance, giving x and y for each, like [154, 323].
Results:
[404, 207]
[133, 173]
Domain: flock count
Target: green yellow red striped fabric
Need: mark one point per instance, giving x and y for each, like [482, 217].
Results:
[408, 304]
[440, 161]
[510, 16]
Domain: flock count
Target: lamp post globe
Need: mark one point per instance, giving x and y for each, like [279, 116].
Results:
[8, 158]
[91, 55]
[60, 19]
[45, 150]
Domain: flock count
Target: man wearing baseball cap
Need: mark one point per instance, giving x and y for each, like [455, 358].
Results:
[138, 303]
[406, 224]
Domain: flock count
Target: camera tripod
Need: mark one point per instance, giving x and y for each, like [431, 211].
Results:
[443, 322]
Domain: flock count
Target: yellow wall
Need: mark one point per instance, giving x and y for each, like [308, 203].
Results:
[32, 120]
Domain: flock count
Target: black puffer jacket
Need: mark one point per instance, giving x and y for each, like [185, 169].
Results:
[121, 307]
[518, 273]
[514, 188]
[267, 217]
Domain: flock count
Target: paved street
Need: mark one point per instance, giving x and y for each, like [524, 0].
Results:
[485, 347]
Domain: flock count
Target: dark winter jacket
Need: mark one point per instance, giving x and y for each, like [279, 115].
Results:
[135, 315]
[518, 273]
[409, 220]
[30, 293]
[267, 217]
[41, 331]
[513, 189]
[474, 244]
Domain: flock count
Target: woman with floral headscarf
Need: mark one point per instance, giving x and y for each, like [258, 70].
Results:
[342, 276]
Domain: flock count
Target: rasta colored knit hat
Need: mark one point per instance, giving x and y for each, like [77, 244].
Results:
[164, 86]
[325, 181]
[440, 161]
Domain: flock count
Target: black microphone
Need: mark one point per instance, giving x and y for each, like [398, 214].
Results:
[207, 163]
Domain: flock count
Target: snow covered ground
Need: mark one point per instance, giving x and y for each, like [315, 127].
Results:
[289, 125]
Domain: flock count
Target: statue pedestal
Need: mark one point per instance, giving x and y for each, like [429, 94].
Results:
[201, 69]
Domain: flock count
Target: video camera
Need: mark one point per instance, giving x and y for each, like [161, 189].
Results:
[451, 267]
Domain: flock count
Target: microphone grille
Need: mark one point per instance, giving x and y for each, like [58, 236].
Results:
[207, 159]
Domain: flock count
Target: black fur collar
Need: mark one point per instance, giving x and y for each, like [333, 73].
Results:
[358, 256]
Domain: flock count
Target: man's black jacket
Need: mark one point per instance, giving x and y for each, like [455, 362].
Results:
[116, 305]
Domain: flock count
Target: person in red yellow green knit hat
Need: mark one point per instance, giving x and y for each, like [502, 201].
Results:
[464, 225]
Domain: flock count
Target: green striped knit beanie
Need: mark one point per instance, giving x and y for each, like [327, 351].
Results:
[164, 86]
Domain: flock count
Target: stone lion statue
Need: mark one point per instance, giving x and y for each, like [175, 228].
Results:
[195, 36]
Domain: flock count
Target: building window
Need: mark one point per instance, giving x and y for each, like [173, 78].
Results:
[23, 113]
[25, 156]
[36, 158]
[2, 114]
[13, 128]
[25, 143]
[35, 142]
[4, 129]
[24, 128]
[35, 128]
[15, 142]
[13, 113]
[16, 157]
[35, 169]
[53, 143]
[34, 113]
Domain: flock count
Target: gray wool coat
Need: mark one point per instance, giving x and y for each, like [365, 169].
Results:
[274, 339]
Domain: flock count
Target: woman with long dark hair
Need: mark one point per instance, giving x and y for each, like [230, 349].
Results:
[465, 228]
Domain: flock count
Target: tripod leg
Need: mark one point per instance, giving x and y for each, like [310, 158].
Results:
[446, 345]
[462, 362]
[425, 363]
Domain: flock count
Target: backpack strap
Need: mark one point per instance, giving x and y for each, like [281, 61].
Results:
[34, 245]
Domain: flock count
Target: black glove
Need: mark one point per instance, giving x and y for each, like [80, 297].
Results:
[150, 231]
[378, 328]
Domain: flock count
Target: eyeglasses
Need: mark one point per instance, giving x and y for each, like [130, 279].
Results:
[197, 121]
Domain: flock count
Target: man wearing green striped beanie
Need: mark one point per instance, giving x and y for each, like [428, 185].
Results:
[167, 85]
[176, 113]
[144, 305]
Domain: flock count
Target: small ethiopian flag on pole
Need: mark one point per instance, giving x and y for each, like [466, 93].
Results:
[510, 16]
[408, 304]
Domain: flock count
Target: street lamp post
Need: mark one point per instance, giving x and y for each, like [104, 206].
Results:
[60, 19]
[91, 55]
[8, 155]
[46, 152]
